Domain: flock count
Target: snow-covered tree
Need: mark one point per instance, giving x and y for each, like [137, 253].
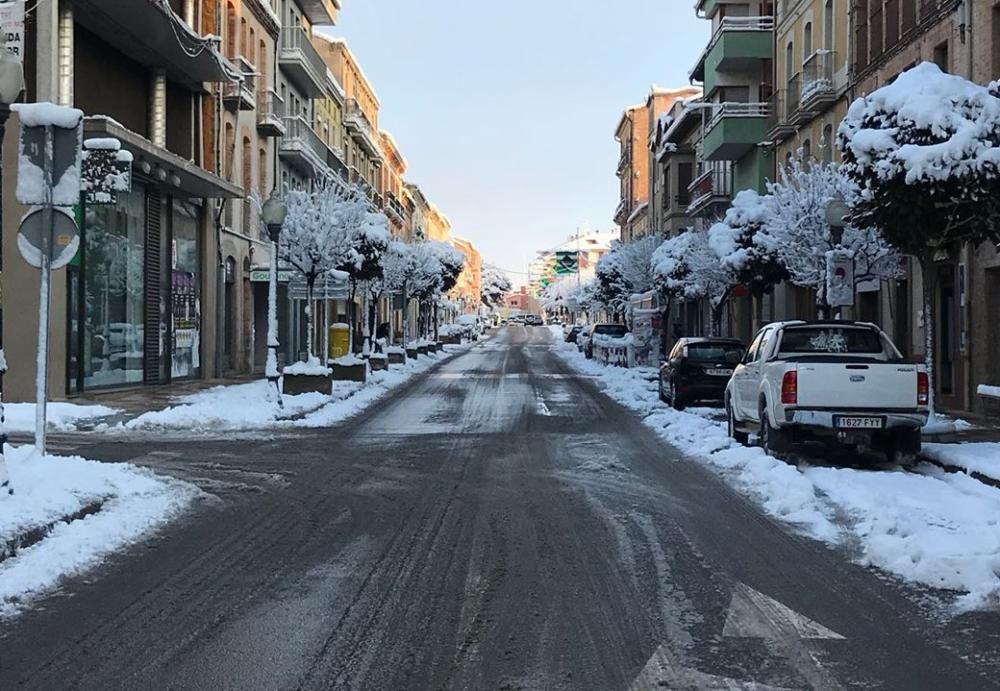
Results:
[315, 238]
[756, 267]
[794, 228]
[398, 267]
[436, 271]
[495, 287]
[624, 271]
[925, 153]
[689, 266]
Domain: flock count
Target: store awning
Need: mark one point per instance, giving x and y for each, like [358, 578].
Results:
[163, 166]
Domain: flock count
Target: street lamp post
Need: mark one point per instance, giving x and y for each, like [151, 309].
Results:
[837, 212]
[11, 86]
[273, 214]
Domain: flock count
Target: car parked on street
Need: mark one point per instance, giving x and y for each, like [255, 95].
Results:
[609, 330]
[841, 380]
[533, 320]
[698, 369]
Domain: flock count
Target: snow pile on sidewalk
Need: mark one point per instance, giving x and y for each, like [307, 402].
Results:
[62, 417]
[313, 367]
[973, 457]
[233, 407]
[134, 502]
[929, 527]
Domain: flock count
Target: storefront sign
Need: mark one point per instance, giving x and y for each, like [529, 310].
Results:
[264, 276]
[12, 25]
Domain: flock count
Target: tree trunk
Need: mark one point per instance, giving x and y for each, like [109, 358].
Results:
[366, 346]
[926, 266]
[310, 316]
[435, 320]
[665, 331]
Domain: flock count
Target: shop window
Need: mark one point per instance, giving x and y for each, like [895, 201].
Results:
[186, 291]
[112, 340]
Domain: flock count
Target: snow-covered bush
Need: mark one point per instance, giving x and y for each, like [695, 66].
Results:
[689, 266]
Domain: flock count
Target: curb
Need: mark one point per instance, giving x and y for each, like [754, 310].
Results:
[10, 547]
[955, 470]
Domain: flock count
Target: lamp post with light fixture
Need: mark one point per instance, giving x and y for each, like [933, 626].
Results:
[272, 214]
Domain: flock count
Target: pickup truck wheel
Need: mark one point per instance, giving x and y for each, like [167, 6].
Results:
[773, 440]
[663, 395]
[676, 401]
[903, 447]
[741, 438]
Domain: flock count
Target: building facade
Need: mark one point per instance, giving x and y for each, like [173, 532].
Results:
[468, 290]
[659, 104]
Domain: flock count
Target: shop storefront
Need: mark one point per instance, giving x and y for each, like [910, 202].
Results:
[135, 311]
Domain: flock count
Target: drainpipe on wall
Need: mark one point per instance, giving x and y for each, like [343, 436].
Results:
[65, 54]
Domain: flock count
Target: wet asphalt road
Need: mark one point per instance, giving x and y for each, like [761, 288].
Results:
[495, 524]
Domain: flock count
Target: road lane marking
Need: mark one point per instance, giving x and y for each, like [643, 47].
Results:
[753, 614]
[663, 672]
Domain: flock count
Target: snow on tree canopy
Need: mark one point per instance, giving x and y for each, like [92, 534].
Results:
[930, 125]
[495, 286]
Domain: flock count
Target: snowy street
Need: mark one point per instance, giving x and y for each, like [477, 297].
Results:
[500, 521]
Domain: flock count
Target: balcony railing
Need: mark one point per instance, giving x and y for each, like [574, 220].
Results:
[356, 118]
[300, 139]
[394, 208]
[792, 95]
[737, 110]
[621, 213]
[625, 158]
[303, 61]
[817, 77]
[270, 113]
[714, 182]
[242, 94]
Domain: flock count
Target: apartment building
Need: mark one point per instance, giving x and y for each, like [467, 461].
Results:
[437, 225]
[674, 148]
[659, 104]
[392, 183]
[632, 134]
[736, 73]
[362, 143]
[140, 303]
[468, 289]
[812, 78]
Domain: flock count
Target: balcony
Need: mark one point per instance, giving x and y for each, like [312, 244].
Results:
[359, 126]
[270, 114]
[738, 45]
[622, 212]
[302, 62]
[711, 191]
[336, 162]
[242, 95]
[393, 209]
[626, 158]
[734, 129]
[320, 11]
[818, 88]
[302, 148]
[778, 127]
[795, 114]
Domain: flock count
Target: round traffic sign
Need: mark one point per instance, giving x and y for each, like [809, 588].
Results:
[65, 238]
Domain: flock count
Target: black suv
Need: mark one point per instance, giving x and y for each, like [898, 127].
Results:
[698, 369]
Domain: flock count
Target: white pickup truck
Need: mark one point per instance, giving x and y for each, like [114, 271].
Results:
[802, 381]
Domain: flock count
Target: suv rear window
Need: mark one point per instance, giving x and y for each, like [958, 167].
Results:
[616, 330]
[731, 353]
[831, 340]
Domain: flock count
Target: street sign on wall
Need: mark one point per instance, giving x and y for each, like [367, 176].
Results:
[12, 26]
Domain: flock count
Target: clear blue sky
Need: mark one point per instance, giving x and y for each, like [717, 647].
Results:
[505, 111]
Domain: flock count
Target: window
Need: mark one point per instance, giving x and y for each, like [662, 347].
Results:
[247, 164]
[828, 25]
[875, 22]
[941, 58]
[262, 173]
[828, 144]
[861, 35]
[243, 36]
[229, 153]
[806, 150]
[824, 340]
[251, 47]
[892, 22]
[807, 41]
[231, 30]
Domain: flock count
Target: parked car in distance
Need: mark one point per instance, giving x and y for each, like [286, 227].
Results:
[610, 330]
[698, 369]
[572, 332]
[533, 320]
[841, 380]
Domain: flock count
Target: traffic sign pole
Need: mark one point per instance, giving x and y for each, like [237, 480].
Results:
[44, 294]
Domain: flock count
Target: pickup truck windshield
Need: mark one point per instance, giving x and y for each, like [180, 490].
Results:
[827, 340]
[615, 330]
[715, 352]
